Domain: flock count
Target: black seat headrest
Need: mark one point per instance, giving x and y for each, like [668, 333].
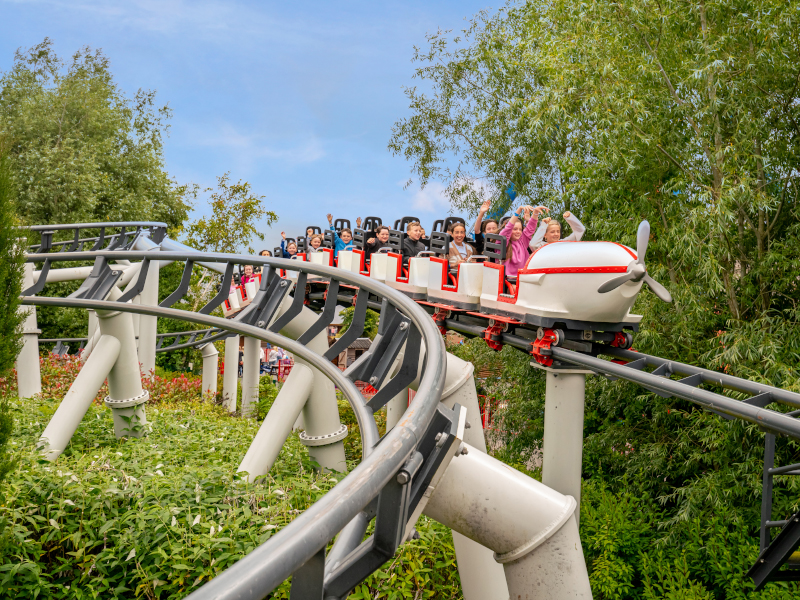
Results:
[495, 247]
[440, 242]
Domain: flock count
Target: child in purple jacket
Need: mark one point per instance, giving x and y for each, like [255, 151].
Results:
[519, 237]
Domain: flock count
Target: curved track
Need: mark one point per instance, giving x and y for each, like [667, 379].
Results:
[281, 556]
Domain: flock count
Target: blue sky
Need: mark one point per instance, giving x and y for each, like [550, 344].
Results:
[296, 98]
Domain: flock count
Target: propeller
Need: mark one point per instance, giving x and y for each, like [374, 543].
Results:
[636, 269]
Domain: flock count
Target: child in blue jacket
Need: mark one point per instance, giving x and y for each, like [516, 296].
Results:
[289, 251]
[345, 242]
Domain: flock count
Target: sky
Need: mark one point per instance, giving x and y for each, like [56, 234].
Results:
[297, 98]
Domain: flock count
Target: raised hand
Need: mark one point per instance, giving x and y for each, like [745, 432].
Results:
[283, 234]
[330, 218]
[538, 210]
[546, 220]
[485, 207]
[567, 215]
[371, 241]
[358, 222]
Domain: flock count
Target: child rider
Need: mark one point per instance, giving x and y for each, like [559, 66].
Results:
[345, 242]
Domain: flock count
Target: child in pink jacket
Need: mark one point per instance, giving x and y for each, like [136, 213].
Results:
[519, 238]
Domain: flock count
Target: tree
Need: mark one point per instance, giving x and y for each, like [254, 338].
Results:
[371, 322]
[235, 214]
[684, 114]
[11, 271]
[80, 149]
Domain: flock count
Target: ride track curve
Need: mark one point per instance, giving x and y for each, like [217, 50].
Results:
[300, 545]
[382, 458]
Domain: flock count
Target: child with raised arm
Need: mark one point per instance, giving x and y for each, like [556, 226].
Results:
[290, 250]
[550, 231]
[519, 237]
[345, 242]
[484, 226]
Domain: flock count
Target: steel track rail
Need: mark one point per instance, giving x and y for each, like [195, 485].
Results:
[769, 419]
[257, 574]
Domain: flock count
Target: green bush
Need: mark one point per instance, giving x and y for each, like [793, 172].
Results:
[158, 516]
[11, 269]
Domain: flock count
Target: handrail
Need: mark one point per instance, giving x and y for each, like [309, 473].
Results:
[64, 226]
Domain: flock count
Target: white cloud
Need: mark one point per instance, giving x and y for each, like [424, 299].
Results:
[431, 198]
[250, 147]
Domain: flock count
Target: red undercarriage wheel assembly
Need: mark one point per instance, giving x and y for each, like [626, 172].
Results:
[540, 349]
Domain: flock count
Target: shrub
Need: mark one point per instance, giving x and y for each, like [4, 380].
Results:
[11, 270]
[158, 516]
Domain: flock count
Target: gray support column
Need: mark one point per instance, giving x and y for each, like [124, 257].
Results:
[76, 402]
[482, 578]
[273, 432]
[230, 377]
[562, 450]
[126, 397]
[250, 376]
[90, 344]
[210, 368]
[148, 325]
[136, 319]
[395, 408]
[29, 374]
[92, 324]
[531, 528]
[323, 431]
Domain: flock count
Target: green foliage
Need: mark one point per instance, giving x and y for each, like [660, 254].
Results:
[235, 212]
[267, 392]
[684, 114]
[371, 322]
[11, 270]
[706, 560]
[157, 517]
[82, 151]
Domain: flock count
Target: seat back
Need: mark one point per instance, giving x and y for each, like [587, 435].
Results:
[340, 224]
[396, 240]
[450, 220]
[440, 243]
[495, 247]
[302, 245]
[360, 239]
[314, 228]
[372, 223]
[400, 224]
[328, 242]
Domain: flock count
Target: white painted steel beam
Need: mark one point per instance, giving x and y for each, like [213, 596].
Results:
[148, 325]
[531, 528]
[482, 578]
[126, 397]
[78, 399]
[210, 368]
[250, 376]
[274, 430]
[29, 374]
[323, 432]
[230, 377]
[562, 448]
